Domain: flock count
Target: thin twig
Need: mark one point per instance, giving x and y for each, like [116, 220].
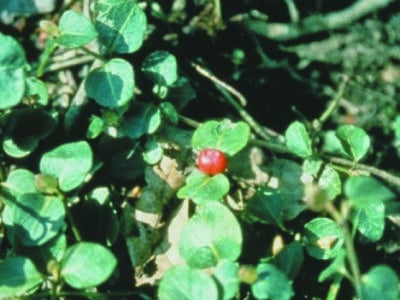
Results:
[386, 176]
[80, 60]
[334, 103]
[221, 83]
[315, 23]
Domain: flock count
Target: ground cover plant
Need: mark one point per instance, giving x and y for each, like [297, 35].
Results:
[199, 149]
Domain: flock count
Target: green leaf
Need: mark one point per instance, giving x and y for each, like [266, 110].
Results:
[111, 85]
[96, 127]
[169, 112]
[323, 238]
[12, 72]
[75, 30]
[19, 182]
[336, 268]
[380, 282]
[37, 90]
[271, 284]
[266, 207]
[37, 219]
[225, 136]
[184, 283]
[202, 188]
[161, 68]
[298, 140]
[70, 163]
[87, 265]
[45, 255]
[15, 8]
[355, 141]
[287, 175]
[369, 218]
[364, 188]
[145, 120]
[121, 25]
[25, 128]
[211, 235]
[153, 151]
[328, 179]
[18, 275]
[290, 259]
[226, 274]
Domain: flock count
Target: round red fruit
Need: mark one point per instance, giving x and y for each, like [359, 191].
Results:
[212, 161]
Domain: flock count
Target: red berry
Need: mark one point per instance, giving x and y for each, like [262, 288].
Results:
[212, 161]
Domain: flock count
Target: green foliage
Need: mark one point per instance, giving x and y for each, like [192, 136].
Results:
[182, 282]
[18, 275]
[226, 274]
[298, 140]
[354, 140]
[12, 72]
[225, 136]
[75, 30]
[266, 207]
[202, 188]
[121, 25]
[69, 163]
[323, 238]
[271, 284]
[112, 84]
[161, 68]
[98, 176]
[205, 240]
[86, 265]
[380, 282]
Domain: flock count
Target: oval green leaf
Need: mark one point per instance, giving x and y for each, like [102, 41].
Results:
[22, 138]
[211, 235]
[87, 265]
[369, 218]
[37, 90]
[226, 273]
[226, 136]
[323, 238]
[12, 72]
[111, 85]
[354, 140]
[75, 30]
[266, 207]
[381, 282]
[70, 163]
[153, 151]
[161, 68]
[364, 188]
[298, 140]
[121, 25]
[271, 284]
[202, 188]
[17, 276]
[184, 283]
[327, 178]
[290, 259]
[145, 120]
[37, 219]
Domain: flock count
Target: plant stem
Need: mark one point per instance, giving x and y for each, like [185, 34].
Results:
[224, 88]
[314, 23]
[92, 53]
[334, 103]
[221, 83]
[349, 245]
[386, 176]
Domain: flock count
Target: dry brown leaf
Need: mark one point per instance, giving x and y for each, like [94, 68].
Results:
[167, 252]
[163, 180]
